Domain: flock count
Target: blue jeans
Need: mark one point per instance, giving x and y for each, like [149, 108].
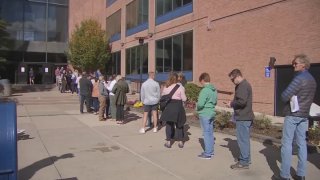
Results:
[95, 103]
[207, 129]
[243, 139]
[294, 127]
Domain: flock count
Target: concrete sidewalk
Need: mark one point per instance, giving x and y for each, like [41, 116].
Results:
[60, 143]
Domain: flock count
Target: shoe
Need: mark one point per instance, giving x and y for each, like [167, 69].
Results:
[203, 156]
[300, 177]
[239, 166]
[155, 130]
[95, 113]
[167, 145]
[20, 131]
[142, 131]
[180, 145]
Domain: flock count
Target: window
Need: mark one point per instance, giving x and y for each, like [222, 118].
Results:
[165, 6]
[137, 13]
[110, 2]
[133, 59]
[175, 53]
[113, 26]
[114, 64]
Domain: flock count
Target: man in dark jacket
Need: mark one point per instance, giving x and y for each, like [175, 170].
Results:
[85, 92]
[303, 86]
[243, 114]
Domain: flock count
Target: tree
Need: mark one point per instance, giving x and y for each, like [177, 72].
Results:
[88, 47]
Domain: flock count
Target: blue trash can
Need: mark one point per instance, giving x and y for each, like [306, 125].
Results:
[8, 140]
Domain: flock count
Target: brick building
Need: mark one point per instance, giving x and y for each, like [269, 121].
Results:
[195, 36]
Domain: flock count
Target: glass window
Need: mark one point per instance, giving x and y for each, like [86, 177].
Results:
[35, 21]
[57, 23]
[113, 25]
[114, 64]
[159, 56]
[133, 59]
[175, 53]
[165, 6]
[137, 13]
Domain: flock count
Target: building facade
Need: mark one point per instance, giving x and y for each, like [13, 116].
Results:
[195, 36]
[38, 30]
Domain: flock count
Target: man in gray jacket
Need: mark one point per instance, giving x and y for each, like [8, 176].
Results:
[295, 124]
[150, 96]
[243, 114]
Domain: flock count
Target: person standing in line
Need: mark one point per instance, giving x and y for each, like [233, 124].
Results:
[103, 95]
[206, 104]
[85, 92]
[150, 96]
[174, 114]
[57, 74]
[295, 126]
[31, 76]
[181, 79]
[111, 96]
[95, 95]
[243, 114]
[120, 91]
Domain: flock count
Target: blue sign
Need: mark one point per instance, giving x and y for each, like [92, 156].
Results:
[267, 71]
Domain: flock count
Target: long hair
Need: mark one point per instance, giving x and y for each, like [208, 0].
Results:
[173, 78]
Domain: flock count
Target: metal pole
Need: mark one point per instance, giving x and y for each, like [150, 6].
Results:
[141, 57]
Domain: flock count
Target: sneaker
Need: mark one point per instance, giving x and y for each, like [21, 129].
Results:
[239, 166]
[20, 131]
[142, 131]
[203, 156]
[155, 130]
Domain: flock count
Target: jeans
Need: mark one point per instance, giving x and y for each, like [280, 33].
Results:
[243, 139]
[95, 103]
[207, 126]
[294, 127]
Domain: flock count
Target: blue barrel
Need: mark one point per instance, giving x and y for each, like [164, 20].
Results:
[8, 141]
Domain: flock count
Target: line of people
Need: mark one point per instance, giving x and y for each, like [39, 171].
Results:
[295, 124]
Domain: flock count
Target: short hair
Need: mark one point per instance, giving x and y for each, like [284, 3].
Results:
[173, 78]
[101, 77]
[151, 73]
[118, 77]
[235, 73]
[303, 59]
[204, 76]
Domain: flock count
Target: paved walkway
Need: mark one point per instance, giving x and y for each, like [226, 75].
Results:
[60, 143]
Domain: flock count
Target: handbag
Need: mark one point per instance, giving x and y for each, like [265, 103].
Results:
[165, 99]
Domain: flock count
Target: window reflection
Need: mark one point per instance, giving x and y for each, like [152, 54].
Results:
[165, 6]
[137, 13]
[175, 53]
[133, 59]
[113, 24]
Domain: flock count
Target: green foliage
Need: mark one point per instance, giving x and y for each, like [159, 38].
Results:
[192, 92]
[262, 122]
[88, 46]
[314, 135]
[222, 119]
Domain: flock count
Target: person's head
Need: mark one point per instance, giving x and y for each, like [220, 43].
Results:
[181, 77]
[235, 76]
[300, 62]
[101, 78]
[173, 78]
[118, 77]
[151, 75]
[204, 78]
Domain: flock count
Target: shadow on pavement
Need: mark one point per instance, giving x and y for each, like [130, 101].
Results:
[130, 117]
[233, 148]
[314, 158]
[26, 173]
[272, 155]
[24, 137]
